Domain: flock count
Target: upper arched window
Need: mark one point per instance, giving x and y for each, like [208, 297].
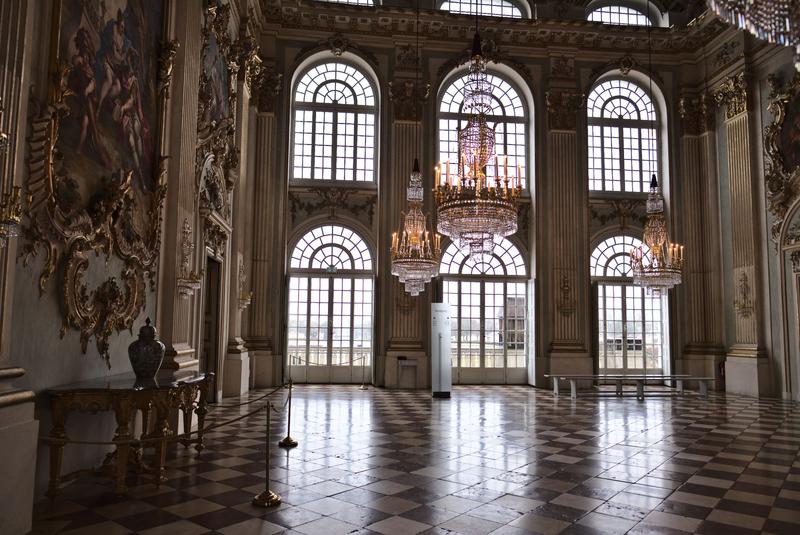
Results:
[619, 15]
[335, 120]
[331, 248]
[505, 260]
[611, 258]
[487, 8]
[623, 139]
[353, 2]
[509, 118]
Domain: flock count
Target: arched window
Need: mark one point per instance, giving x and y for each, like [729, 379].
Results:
[509, 118]
[335, 124]
[330, 305]
[623, 137]
[488, 309]
[632, 328]
[619, 15]
[353, 2]
[486, 8]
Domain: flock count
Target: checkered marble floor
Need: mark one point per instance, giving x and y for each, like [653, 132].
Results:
[501, 460]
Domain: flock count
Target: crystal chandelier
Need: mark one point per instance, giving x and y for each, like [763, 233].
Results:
[775, 21]
[658, 268]
[10, 203]
[472, 209]
[415, 257]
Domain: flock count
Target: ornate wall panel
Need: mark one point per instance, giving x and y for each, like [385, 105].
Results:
[97, 180]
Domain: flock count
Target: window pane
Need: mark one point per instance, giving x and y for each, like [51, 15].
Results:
[488, 8]
[619, 15]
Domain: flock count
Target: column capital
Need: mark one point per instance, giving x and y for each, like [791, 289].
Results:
[697, 115]
[732, 92]
[408, 97]
[267, 85]
[562, 108]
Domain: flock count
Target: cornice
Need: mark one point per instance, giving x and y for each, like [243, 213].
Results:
[319, 19]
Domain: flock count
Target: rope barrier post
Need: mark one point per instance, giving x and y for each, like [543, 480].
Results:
[267, 498]
[288, 441]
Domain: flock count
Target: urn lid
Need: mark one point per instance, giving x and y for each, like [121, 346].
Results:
[147, 331]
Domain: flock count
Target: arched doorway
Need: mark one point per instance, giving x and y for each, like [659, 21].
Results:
[330, 307]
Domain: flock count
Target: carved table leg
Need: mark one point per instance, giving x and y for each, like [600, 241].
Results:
[202, 410]
[122, 411]
[59, 409]
[162, 431]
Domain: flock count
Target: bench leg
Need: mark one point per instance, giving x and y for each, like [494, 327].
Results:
[680, 385]
[619, 387]
[639, 389]
[573, 389]
[555, 386]
[704, 389]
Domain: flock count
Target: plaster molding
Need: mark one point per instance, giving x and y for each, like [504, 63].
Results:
[732, 93]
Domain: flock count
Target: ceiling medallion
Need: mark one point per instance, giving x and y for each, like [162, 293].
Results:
[472, 209]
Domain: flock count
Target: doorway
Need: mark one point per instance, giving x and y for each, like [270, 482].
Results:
[209, 356]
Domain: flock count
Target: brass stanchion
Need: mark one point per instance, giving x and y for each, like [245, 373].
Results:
[267, 498]
[288, 441]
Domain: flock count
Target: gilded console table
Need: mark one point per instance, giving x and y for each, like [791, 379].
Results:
[157, 399]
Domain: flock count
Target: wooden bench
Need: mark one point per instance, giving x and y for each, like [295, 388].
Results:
[639, 379]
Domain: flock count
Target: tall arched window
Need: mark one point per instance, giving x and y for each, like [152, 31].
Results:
[486, 8]
[353, 2]
[330, 313]
[623, 137]
[619, 15]
[632, 327]
[509, 118]
[335, 124]
[488, 309]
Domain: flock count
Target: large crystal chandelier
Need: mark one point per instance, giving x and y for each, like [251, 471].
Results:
[658, 268]
[472, 209]
[415, 253]
[775, 21]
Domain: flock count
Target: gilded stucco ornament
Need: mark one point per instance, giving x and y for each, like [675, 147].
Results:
[622, 212]
[732, 93]
[408, 99]
[216, 156]
[697, 114]
[189, 280]
[166, 63]
[115, 221]
[492, 52]
[562, 109]
[245, 295]
[313, 201]
[782, 148]
[247, 54]
[267, 88]
[743, 302]
[566, 301]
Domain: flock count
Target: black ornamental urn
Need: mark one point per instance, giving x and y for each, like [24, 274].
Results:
[146, 353]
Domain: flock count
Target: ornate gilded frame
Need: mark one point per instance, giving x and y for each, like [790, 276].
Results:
[783, 183]
[70, 236]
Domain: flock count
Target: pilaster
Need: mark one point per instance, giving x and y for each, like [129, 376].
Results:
[407, 314]
[266, 265]
[701, 298]
[176, 313]
[567, 294]
[18, 426]
[742, 375]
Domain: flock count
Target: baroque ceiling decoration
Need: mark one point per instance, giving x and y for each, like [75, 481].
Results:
[438, 25]
[91, 193]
